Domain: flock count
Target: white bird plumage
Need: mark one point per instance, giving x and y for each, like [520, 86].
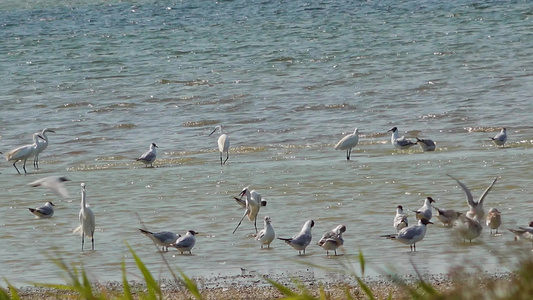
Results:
[468, 228]
[447, 216]
[348, 142]
[161, 238]
[87, 221]
[41, 146]
[425, 212]
[43, 212]
[149, 156]
[253, 203]
[186, 242]
[500, 138]
[400, 142]
[23, 153]
[223, 143]
[267, 234]
[332, 240]
[523, 232]
[411, 235]
[476, 210]
[400, 219]
[301, 240]
[53, 183]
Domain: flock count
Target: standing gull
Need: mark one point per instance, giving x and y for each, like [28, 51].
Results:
[468, 228]
[494, 219]
[267, 234]
[348, 142]
[332, 240]
[148, 158]
[500, 138]
[301, 240]
[41, 146]
[399, 142]
[426, 144]
[476, 208]
[23, 153]
[186, 242]
[223, 143]
[43, 212]
[400, 219]
[53, 183]
[425, 211]
[411, 235]
[87, 223]
[253, 203]
[162, 238]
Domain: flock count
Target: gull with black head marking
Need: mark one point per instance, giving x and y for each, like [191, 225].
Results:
[161, 238]
[411, 235]
[149, 156]
[425, 211]
[400, 142]
[500, 138]
[400, 219]
[43, 212]
[301, 240]
[186, 242]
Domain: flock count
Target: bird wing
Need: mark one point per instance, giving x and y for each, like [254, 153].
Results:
[240, 201]
[486, 192]
[469, 198]
[403, 142]
[147, 156]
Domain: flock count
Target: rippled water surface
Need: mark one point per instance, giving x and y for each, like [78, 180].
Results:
[286, 81]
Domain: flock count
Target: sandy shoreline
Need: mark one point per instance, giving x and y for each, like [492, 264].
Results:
[255, 287]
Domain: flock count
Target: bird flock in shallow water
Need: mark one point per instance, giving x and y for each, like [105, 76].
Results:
[468, 225]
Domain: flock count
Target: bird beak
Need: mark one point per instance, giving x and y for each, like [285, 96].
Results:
[212, 132]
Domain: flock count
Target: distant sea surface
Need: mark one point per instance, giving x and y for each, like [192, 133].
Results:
[286, 80]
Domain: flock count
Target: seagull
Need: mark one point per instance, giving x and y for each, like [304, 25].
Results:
[476, 208]
[425, 212]
[494, 219]
[23, 153]
[447, 216]
[53, 183]
[148, 158]
[253, 203]
[399, 142]
[223, 143]
[332, 240]
[400, 220]
[348, 142]
[523, 232]
[500, 138]
[302, 239]
[162, 238]
[411, 235]
[87, 223]
[267, 235]
[186, 242]
[426, 144]
[41, 146]
[43, 212]
[468, 228]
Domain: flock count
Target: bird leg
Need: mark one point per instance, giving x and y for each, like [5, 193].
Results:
[255, 224]
[82, 242]
[227, 157]
[24, 166]
[240, 221]
[92, 242]
[221, 159]
[14, 165]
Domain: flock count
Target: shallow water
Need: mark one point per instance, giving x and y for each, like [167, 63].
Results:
[287, 81]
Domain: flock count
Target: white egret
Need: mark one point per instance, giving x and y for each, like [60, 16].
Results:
[149, 156]
[411, 235]
[23, 153]
[494, 219]
[162, 238]
[348, 142]
[87, 223]
[253, 203]
[223, 143]
[41, 146]
[186, 242]
[399, 142]
[332, 240]
[53, 183]
[267, 235]
[500, 138]
[43, 212]
[301, 240]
